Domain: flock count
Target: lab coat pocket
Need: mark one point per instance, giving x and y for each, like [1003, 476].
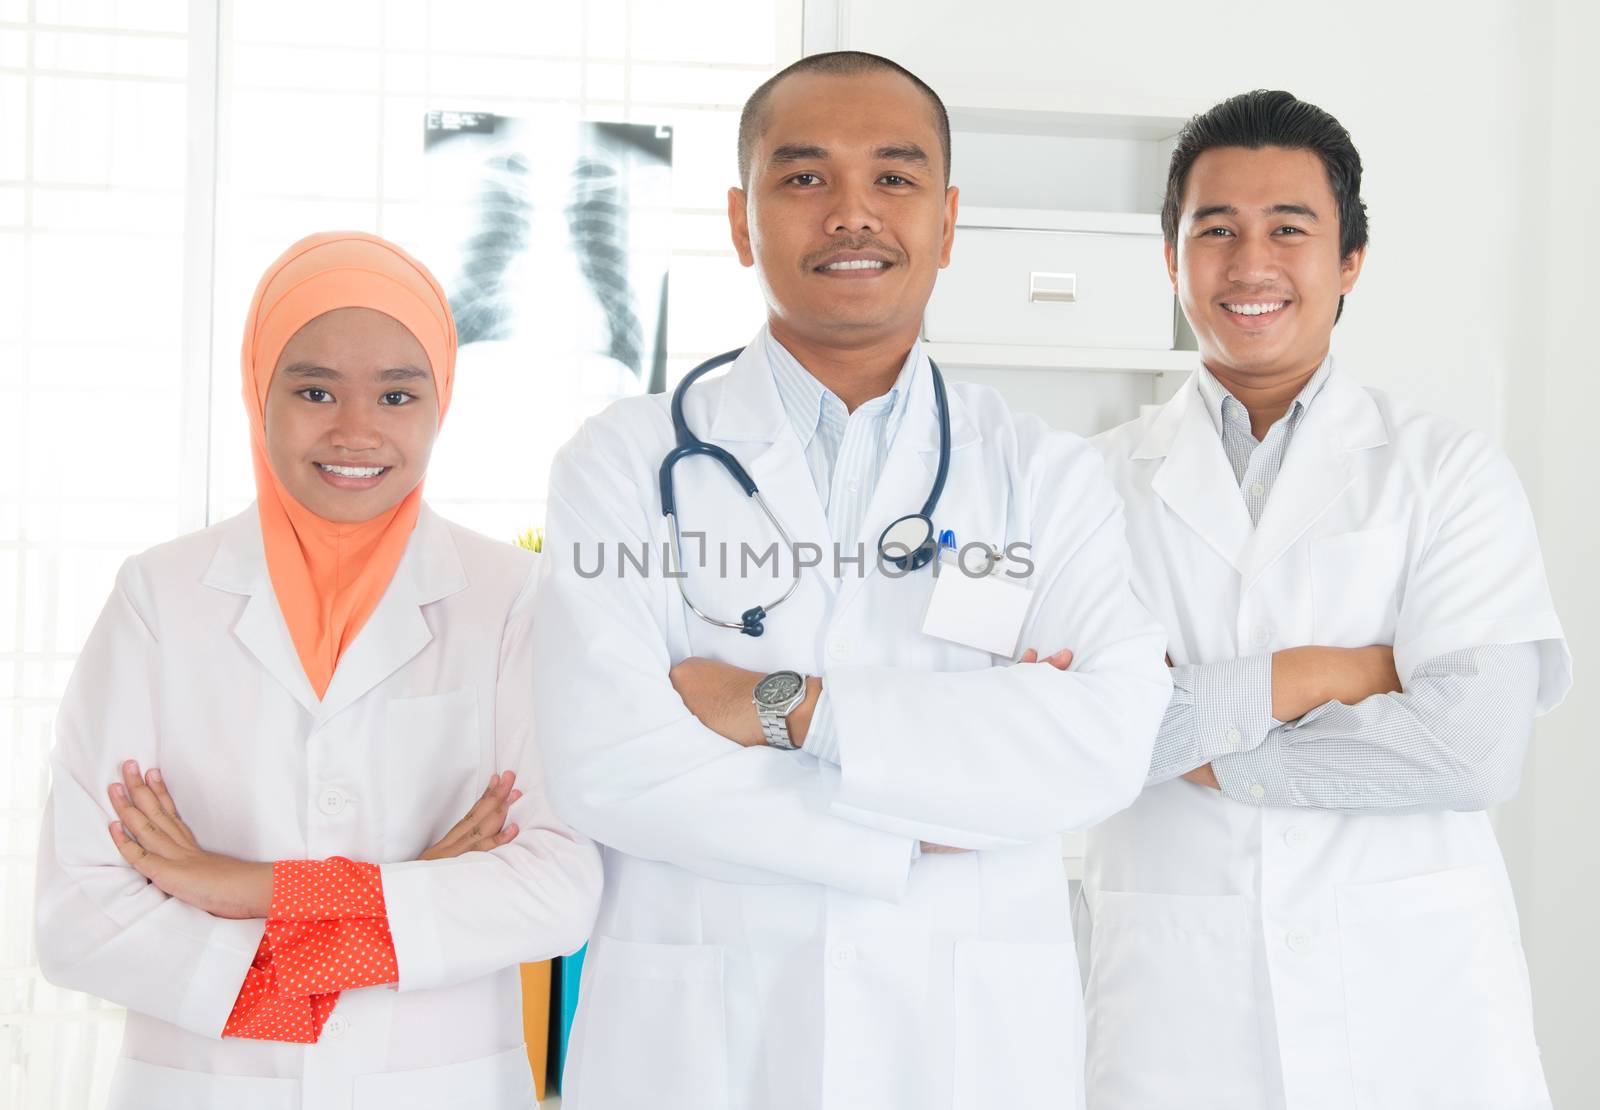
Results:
[1172, 1003]
[1355, 585]
[431, 769]
[488, 1083]
[136, 1085]
[1436, 995]
[1018, 1025]
[653, 1028]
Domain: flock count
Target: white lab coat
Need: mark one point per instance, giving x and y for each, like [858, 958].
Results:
[1263, 957]
[191, 669]
[765, 940]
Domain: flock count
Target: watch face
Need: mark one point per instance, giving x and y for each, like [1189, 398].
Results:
[778, 688]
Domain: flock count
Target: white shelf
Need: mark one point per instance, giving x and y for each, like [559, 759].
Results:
[1001, 356]
[1093, 123]
[1056, 219]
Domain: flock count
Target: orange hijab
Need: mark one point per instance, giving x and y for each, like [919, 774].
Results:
[329, 577]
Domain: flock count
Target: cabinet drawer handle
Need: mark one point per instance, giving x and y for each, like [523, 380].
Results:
[1052, 288]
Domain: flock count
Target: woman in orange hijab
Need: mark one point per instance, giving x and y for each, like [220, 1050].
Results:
[323, 683]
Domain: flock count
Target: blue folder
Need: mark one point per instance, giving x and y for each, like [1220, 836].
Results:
[569, 969]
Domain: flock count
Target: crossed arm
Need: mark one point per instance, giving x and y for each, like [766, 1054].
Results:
[145, 916]
[156, 842]
[1342, 734]
[1216, 709]
[1059, 750]
[326, 921]
[720, 695]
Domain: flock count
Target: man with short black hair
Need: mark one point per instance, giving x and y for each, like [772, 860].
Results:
[1307, 908]
[829, 793]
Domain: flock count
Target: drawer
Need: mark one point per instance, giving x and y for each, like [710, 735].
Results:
[1053, 288]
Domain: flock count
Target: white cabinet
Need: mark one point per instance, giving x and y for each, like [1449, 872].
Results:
[1054, 279]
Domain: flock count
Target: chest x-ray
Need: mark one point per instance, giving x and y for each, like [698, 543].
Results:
[551, 236]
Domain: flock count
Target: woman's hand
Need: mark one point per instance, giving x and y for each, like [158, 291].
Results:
[484, 827]
[156, 842]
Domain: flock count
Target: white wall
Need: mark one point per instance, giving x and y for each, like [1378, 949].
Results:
[1549, 831]
[1478, 126]
[1429, 320]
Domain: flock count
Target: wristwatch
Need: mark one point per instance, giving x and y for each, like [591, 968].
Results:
[776, 696]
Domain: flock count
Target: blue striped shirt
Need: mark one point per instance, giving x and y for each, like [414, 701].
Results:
[846, 452]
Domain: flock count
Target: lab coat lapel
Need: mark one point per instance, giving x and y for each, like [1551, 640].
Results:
[1195, 480]
[392, 636]
[1317, 469]
[240, 567]
[784, 478]
[749, 421]
[396, 631]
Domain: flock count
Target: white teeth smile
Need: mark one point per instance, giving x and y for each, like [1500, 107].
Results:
[353, 471]
[858, 264]
[1254, 309]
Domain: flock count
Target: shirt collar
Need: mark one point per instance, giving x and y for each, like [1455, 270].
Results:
[1217, 398]
[807, 401]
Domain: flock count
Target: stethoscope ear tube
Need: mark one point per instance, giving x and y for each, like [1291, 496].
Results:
[680, 423]
[691, 444]
[699, 447]
[942, 402]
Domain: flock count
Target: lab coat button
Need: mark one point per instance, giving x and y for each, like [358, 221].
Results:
[839, 649]
[1298, 940]
[337, 1026]
[1263, 635]
[1257, 790]
[332, 801]
[1235, 739]
[1296, 837]
[842, 956]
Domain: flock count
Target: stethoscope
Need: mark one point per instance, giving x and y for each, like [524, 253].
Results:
[908, 543]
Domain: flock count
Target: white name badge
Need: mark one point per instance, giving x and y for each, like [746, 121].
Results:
[985, 613]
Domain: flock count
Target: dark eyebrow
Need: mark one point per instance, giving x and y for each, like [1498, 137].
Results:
[310, 370]
[402, 374]
[797, 152]
[903, 152]
[1276, 210]
[1292, 210]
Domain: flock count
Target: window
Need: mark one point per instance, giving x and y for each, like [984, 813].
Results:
[155, 155]
[322, 123]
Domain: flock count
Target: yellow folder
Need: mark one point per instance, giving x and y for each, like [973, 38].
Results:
[536, 1020]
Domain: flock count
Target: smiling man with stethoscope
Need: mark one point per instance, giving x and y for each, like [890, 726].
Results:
[771, 734]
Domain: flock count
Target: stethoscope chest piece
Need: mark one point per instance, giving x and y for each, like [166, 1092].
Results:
[908, 543]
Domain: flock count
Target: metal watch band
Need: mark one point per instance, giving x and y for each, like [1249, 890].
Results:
[776, 731]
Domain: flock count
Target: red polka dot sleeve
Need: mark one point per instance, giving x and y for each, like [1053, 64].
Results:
[327, 931]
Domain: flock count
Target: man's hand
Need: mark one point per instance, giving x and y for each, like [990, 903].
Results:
[1306, 677]
[1061, 660]
[484, 827]
[156, 842]
[723, 697]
